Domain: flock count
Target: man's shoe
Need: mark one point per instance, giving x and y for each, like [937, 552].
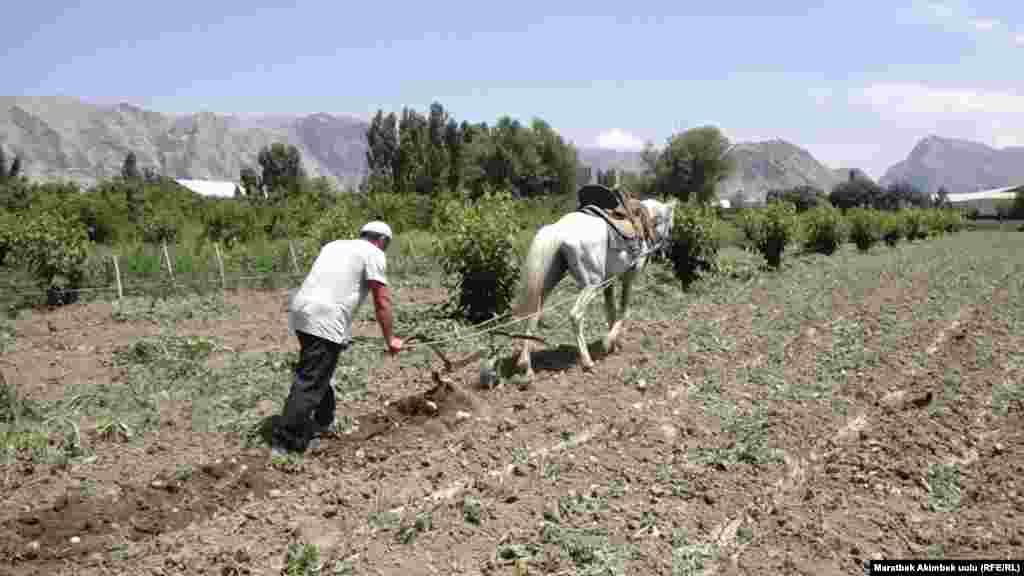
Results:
[330, 430]
[278, 452]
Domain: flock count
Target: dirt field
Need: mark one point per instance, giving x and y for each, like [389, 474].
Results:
[845, 408]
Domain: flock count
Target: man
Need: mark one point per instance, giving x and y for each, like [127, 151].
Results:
[320, 314]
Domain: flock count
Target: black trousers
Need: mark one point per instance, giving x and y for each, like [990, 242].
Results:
[311, 401]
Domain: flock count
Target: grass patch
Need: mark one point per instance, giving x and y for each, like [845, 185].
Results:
[302, 560]
[174, 309]
[7, 336]
[690, 559]
[472, 510]
[748, 444]
[1006, 395]
[588, 549]
[943, 488]
[407, 533]
[385, 520]
[950, 393]
[665, 476]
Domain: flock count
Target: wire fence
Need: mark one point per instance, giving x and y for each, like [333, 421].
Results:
[136, 272]
[161, 270]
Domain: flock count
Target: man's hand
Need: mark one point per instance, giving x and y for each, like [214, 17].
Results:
[394, 345]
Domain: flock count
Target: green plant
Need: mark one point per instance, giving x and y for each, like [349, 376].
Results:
[689, 559]
[824, 228]
[7, 336]
[228, 221]
[161, 226]
[478, 257]
[471, 510]
[915, 224]
[693, 245]
[770, 229]
[342, 220]
[949, 220]
[891, 227]
[865, 227]
[407, 534]
[8, 235]
[302, 560]
[385, 520]
[54, 249]
[944, 487]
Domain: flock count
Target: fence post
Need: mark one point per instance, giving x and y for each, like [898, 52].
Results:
[167, 256]
[220, 266]
[117, 275]
[295, 261]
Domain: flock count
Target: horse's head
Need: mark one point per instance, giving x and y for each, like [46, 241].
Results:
[662, 214]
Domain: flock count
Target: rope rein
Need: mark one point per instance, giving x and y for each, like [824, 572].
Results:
[481, 332]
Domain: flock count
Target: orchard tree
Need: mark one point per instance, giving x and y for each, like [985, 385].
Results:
[693, 163]
[438, 158]
[453, 142]
[802, 197]
[283, 174]
[251, 184]
[855, 193]
[381, 151]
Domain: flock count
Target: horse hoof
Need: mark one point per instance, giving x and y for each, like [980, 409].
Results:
[588, 367]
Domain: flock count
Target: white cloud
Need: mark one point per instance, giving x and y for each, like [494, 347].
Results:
[1019, 40]
[616, 139]
[908, 98]
[941, 10]
[993, 117]
[821, 96]
[984, 24]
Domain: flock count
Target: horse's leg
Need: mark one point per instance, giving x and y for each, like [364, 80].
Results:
[578, 316]
[524, 356]
[616, 328]
[610, 313]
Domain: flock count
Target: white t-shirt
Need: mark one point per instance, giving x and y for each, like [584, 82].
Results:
[335, 288]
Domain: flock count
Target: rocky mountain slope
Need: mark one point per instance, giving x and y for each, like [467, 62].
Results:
[70, 139]
[774, 164]
[958, 165]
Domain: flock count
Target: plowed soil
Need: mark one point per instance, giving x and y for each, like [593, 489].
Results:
[623, 469]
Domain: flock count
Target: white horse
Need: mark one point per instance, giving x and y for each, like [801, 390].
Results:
[584, 246]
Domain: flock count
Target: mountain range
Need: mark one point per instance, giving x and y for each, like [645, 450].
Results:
[958, 166]
[67, 138]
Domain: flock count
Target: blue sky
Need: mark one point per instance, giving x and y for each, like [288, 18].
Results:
[855, 83]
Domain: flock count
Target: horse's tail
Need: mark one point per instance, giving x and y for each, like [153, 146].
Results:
[540, 258]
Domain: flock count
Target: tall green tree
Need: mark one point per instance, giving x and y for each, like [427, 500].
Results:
[283, 174]
[251, 185]
[438, 158]
[133, 189]
[381, 150]
[693, 163]
[453, 141]
[410, 171]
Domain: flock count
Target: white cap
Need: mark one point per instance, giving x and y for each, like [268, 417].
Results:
[377, 227]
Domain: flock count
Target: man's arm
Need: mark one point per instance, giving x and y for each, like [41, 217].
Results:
[382, 305]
